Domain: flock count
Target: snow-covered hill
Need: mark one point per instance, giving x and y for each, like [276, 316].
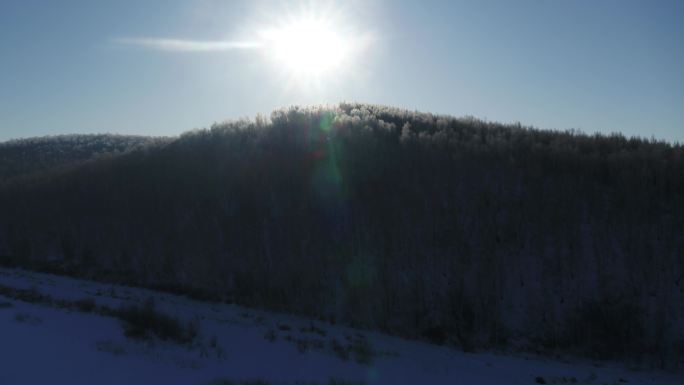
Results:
[58, 330]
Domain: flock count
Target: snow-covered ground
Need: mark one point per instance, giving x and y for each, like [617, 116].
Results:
[46, 344]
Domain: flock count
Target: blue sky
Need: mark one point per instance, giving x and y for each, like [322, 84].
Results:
[76, 66]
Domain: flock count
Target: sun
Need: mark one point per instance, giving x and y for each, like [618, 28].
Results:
[313, 45]
[308, 46]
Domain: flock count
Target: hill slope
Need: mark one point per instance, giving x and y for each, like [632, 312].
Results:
[24, 157]
[452, 230]
[237, 345]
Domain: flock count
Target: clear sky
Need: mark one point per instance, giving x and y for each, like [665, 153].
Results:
[161, 67]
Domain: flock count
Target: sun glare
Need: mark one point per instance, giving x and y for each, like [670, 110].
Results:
[308, 46]
[312, 46]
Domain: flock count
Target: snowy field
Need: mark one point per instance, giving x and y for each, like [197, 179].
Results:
[45, 343]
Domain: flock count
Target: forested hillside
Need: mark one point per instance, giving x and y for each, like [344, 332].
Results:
[24, 157]
[454, 230]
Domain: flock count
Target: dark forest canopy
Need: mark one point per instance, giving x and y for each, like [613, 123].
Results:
[452, 229]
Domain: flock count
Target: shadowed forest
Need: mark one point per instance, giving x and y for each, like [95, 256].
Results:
[452, 230]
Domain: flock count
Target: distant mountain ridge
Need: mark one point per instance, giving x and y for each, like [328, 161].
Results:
[453, 230]
[22, 157]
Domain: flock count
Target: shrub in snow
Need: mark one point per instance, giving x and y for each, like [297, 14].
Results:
[143, 322]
